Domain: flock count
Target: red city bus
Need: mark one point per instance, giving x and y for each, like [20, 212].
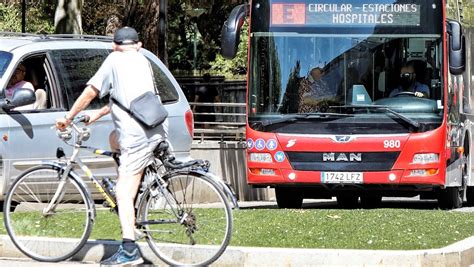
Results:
[358, 99]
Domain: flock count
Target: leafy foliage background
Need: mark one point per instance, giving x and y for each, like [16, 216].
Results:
[143, 15]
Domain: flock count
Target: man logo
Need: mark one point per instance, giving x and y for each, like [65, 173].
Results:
[342, 138]
[345, 157]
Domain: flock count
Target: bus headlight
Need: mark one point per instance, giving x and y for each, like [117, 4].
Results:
[421, 172]
[261, 157]
[425, 158]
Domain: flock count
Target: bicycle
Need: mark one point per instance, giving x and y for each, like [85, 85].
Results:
[181, 208]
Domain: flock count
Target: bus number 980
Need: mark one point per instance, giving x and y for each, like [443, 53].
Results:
[391, 143]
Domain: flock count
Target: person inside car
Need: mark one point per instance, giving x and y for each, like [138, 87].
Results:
[18, 81]
[408, 83]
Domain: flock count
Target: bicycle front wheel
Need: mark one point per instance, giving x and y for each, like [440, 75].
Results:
[48, 220]
[190, 223]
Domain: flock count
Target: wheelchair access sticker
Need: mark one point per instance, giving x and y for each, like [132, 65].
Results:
[260, 144]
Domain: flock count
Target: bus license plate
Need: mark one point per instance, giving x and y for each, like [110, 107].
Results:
[342, 177]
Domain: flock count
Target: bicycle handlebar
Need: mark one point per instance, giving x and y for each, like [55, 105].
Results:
[84, 133]
[82, 118]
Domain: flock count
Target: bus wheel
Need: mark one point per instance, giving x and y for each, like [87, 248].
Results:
[450, 198]
[370, 202]
[348, 201]
[466, 174]
[288, 198]
[470, 195]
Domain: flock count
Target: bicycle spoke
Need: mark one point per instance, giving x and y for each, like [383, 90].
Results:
[26, 220]
[204, 221]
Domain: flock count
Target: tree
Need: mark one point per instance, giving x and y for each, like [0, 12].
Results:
[209, 24]
[67, 18]
[103, 17]
[39, 17]
[151, 26]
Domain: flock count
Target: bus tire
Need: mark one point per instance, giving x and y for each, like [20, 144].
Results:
[450, 198]
[470, 196]
[370, 202]
[288, 198]
[347, 201]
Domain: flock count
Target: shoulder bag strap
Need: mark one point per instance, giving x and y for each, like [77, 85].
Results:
[116, 102]
[120, 105]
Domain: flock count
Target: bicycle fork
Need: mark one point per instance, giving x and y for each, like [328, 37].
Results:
[60, 192]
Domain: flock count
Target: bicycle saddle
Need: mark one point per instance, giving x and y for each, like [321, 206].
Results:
[161, 147]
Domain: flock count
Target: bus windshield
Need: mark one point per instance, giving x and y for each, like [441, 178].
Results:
[389, 58]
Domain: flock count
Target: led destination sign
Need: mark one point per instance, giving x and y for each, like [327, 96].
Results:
[357, 13]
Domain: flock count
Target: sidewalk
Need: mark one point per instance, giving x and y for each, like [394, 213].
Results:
[458, 254]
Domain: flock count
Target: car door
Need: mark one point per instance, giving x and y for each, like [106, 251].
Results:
[72, 69]
[27, 136]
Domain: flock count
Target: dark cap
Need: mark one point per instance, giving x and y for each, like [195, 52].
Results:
[126, 35]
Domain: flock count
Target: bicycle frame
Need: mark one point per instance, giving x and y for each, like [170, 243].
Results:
[67, 169]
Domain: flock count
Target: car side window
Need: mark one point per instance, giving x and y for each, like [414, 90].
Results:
[165, 87]
[74, 68]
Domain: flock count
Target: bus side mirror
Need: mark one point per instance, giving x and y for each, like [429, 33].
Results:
[456, 47]
[231, 31]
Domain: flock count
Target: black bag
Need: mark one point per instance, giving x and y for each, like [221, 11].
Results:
[147, 109]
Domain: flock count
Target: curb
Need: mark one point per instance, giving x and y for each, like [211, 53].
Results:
[458, 254]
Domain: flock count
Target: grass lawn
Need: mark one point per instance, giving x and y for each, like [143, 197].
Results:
[395, 229]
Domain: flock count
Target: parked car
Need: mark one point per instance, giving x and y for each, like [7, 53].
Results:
[60, 66]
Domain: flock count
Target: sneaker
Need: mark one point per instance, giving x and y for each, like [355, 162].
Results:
[122, 257]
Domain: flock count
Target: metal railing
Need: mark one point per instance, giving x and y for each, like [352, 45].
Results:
[229, 123]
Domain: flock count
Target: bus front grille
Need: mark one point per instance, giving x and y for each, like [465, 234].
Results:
[342, 161]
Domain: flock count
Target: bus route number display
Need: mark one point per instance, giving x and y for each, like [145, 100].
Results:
[356, 13]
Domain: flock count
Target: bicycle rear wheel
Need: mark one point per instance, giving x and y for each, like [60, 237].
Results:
[47, 236]
[190, 223]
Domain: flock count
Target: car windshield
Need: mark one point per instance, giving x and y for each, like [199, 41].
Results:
[5, 59]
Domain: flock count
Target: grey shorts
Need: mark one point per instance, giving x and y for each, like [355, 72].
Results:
[134, 160]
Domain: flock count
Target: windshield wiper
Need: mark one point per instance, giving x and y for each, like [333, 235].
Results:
[301, 116]
[413, 123]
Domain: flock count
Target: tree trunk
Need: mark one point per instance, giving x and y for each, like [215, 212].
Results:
[151, 26]
[67, 18]
[130, 17]
[162, 30]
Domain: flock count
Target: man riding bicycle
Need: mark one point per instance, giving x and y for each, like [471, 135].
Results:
[124, 75]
